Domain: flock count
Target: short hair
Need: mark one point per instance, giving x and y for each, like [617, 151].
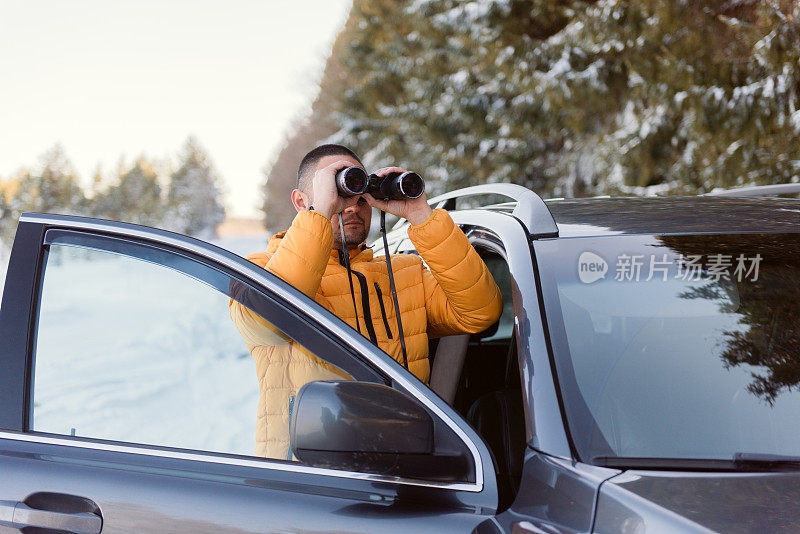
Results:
[305, 172]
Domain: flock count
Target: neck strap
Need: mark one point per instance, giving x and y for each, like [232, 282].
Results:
[344, 257]
[394, 290]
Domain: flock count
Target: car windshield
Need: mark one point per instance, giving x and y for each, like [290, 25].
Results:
[676, 346]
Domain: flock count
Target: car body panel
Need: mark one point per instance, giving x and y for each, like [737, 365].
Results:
[673, 215]
[700, 502]
[555, 494]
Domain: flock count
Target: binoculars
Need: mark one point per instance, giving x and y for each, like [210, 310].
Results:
[352, 181]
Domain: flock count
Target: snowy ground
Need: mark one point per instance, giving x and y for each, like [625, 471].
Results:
[131, 351]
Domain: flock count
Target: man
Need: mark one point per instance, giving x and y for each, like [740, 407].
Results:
[457, 294]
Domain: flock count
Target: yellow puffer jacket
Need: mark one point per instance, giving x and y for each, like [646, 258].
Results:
[457, 295]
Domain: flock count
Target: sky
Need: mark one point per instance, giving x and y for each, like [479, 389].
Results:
[124, 78]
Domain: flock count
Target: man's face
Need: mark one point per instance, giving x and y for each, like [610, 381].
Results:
[356, 218]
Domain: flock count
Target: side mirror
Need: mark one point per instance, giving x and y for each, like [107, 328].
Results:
[371, 428]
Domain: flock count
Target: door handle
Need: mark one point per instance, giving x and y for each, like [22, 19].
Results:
[20, 515]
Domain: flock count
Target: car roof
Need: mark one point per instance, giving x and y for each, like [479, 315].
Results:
[674, 215]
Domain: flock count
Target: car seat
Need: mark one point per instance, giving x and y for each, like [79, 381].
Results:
[498, 417]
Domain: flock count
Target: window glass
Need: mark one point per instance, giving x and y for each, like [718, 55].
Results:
[130, 350]
[498, 266]
[677, 346]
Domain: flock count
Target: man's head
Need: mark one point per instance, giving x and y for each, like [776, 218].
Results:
[356, 218]
[310, 163]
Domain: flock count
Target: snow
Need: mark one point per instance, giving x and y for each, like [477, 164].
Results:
[417, 5]
[469, 15]
[504, 55]
[795, 118]
[733, 147]
[486, 146]
[652, 121]
[718, 93]
[562, 66]
[460, 78]
[132, 351]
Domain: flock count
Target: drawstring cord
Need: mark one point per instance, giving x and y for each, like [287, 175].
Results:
[345, 257]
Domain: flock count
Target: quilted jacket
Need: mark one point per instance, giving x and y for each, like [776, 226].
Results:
[455, 295]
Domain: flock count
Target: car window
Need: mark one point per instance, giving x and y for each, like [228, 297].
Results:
[149, 348]
[498, 267]
[677, 346]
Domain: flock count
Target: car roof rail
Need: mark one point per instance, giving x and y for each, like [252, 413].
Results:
[527, 206]
[756, 191]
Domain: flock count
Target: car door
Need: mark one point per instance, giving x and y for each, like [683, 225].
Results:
[127, 398]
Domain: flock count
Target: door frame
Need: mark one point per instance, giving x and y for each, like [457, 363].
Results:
[545, 429]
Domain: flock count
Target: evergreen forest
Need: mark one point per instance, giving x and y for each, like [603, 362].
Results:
[183, 196]
[570, 98]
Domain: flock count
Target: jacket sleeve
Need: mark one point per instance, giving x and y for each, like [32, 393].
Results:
[303, 254]
[300, 260]
[460, 293]
[255, 329]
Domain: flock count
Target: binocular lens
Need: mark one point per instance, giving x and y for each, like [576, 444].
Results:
[351, 181]
[411, 185]
[396, 186]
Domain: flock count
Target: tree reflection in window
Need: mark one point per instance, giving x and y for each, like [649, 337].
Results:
[768, 308]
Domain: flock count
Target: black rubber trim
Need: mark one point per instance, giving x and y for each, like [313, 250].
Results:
[17, 326]
[383, 311]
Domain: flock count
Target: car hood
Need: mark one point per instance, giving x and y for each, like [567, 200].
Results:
[639, 501]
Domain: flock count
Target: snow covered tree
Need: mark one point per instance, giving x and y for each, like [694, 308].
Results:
[709, 95]
[445, 87]
[577, 97]
[194, 204]
[134, 194]
[135, 197]
[51, 187]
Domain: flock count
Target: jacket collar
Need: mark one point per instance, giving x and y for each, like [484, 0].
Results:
[357, 254]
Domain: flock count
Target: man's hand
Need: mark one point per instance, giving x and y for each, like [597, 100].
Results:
[326, 196]
[416, 211]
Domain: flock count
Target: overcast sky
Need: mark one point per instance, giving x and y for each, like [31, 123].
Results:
[129, 77]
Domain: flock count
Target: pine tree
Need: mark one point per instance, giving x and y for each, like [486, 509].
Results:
[577, 97]
[135, 197]
[52, 187]
[710, 91]
[194, 205]
[446, 90]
